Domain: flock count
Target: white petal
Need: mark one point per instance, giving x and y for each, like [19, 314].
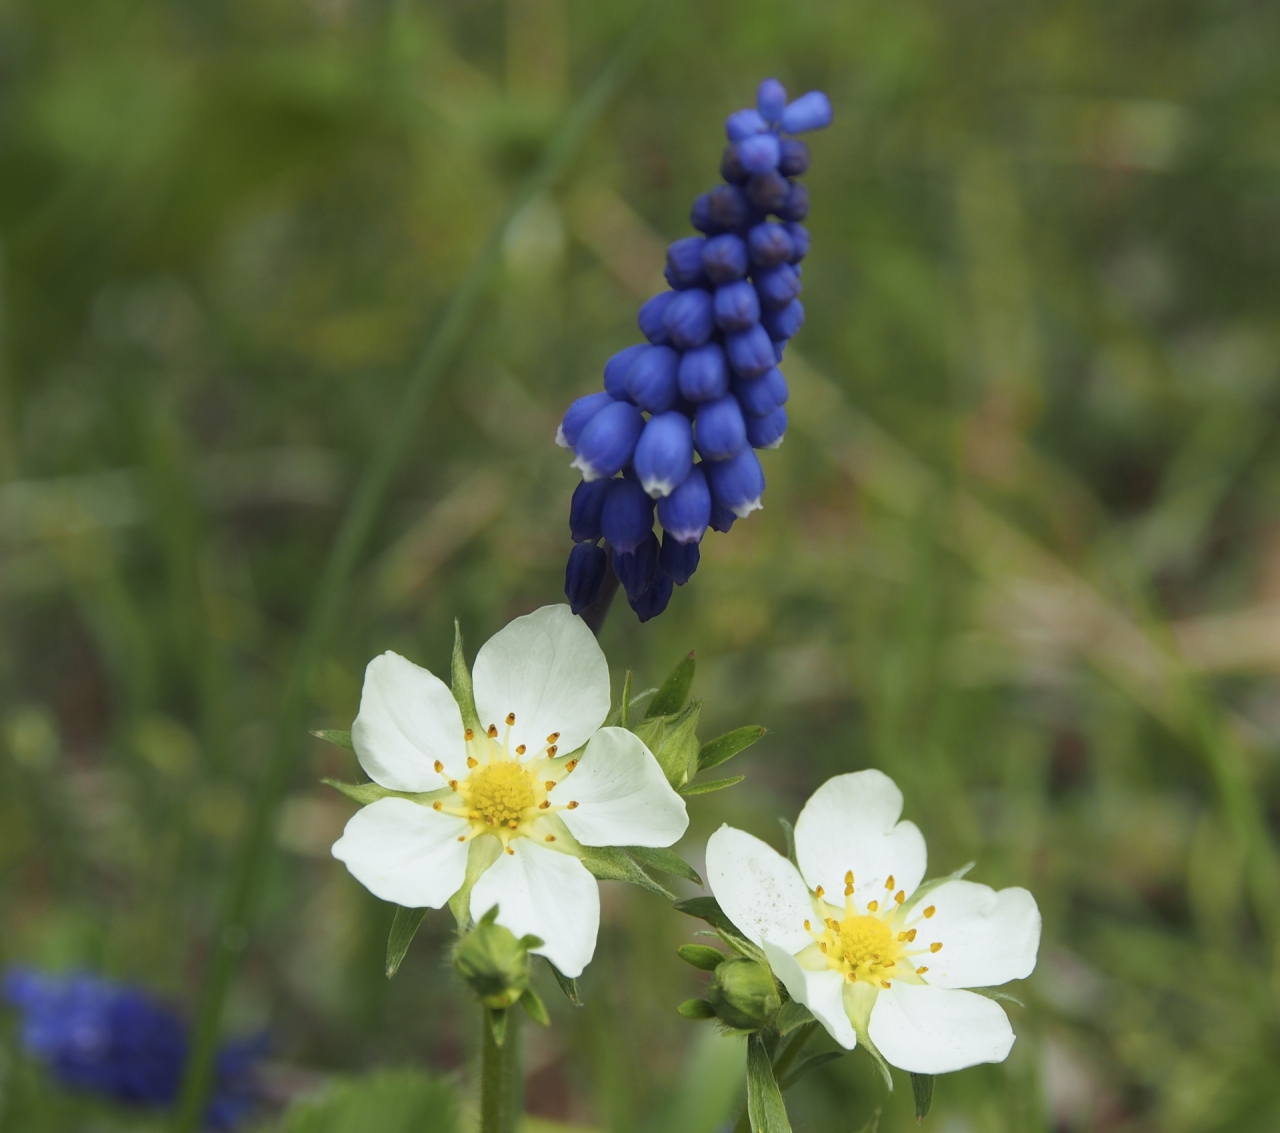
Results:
[849, 824]
[408, 719]
[988, 938]
[548, 894]
[623, 797]
[405, 853]
[934, 1030]
[821, 992]
[547, 668]
[759, 889]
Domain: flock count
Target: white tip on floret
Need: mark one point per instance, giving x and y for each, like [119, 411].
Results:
[560, 437]
[588, 472]
[775, 444]
[658, 489]
[744, 510]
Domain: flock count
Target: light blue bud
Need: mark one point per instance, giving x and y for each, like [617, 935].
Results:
[736, 306]
[810, 111]
[688, 318]
[615, 371]
[627, 516]
[650, 317]
[767, 432]
[584, 573]
[719, 429]
[608, 440]
[703, 374]
[576, 418]
[651, 380]
[664, 453]
[685, 513]
[743, 124]
[750, 351]
[737, 484]
[760, 153]
[785, 322]
[771, 100]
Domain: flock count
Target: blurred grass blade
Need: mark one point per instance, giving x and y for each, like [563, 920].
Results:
[727, 746]
[764, 1099]
[248, 870]
[675, 689]
[403, 929]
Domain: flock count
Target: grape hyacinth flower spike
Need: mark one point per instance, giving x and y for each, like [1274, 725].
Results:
[682, 411]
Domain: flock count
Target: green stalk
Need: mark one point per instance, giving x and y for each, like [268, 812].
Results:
[501, 1082]
[249, 866]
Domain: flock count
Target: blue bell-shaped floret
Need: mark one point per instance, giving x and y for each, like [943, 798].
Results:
[721, 517]
[736, 306]
[795, 206]
[654, 600]
[777, 286]
[678, 560]
[768, 191]
[650, 317]
[664, 453]
[799, 242]
[685, 513]
[810, 111]
[703, 374]
[768, 431]
[728, 208]
[684, 263]
[724, 258]
[585, 508]
[576, 417]
[607, 441]
[760, 153]
[759, 396]
[615, 371]
[583, 575]
[793, 157]
[737, 484]
[651, 380]
[769, 245]
[627, 516]
[689, 318]
[743, 124]
[785, 321]
[637, 569]
[719, 430]
[750, 351]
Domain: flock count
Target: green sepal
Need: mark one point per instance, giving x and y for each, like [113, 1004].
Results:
[789, 832]
[481, 854]
[461, 682]
[701, 956]
[664, 861]
[342, 739]
[696, 1009]
[650, 732]
[707, 909]
[608, 863]
[810, 1063]
[365, 793]
[533, 1006]
[727, 746]
[674, 692]
[865, 1043]
[996, 994]
[793, 1014]
[691, 789]
[742, 946]
[765, 1108]
[677, 753]
[497, 1020]
[566, 985]
[404, 927]
[617, 717]
[922, 1094]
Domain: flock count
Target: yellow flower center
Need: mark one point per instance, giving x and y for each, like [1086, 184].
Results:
[501, 792]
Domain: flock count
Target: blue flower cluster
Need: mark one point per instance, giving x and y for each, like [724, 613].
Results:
[119, 1043]
[706, 384]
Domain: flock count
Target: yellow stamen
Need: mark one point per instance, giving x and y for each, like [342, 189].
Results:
[439, 767]
[550, 838]
[472, 761]
[936, 946]
[920, 971]
[573, 805]
[911, 934]
[930, 911]
[437, 805]
[888, 883]
[549, 784]
[468, 735]
[819, 891]
[884, 983]
[553, 737]
[551, 751]
[873, 906]
[520, 750]
[900, 896]
[492, 731]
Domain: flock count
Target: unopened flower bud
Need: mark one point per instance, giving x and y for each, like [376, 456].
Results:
[719, 430]
[760, 153]
[731, 167]
[771, 100]
[777, 286]
[651, 380]
[608, 440]
[650, 317]
[703, 374]
[810, 111]
[494, 964]
[728, 207]
[637, 569]
[800, 242]
[736, 484]
[678, 560]
[689, 318]
[736, 306]
[585, 508]
[784, 322]
[654, 600]
[685, 513]
[750, 351]
[722, 519]
[767, 431]
[576, 417]
[627, 516]
[584, 573]
[684, 262]
[745, 123]
[615, 371]
[724, 258]
[796, 205]
[768, 191]
[664, 453]
[744, 994]
[769, 245]
[794, 158]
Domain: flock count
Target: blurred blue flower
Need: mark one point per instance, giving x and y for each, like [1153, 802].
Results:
[713, 345]
[120, 1043]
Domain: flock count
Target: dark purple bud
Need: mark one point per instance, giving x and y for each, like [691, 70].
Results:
[689, 318]
[799, 241]
[704, 373]
[810, 111]
[727, 208]
[736, 306]
[777, 286]
[743, 124]
[769, 245]
[608, 440]
[678, 560]
[737, 484]
[759, 154]
[767, 432]
[724, 258]
[796, 205]
[685, 513]
[731, 166]
[583, 575]
[719, 430]
[664, 453]
[794, 158]
[628, 514]
[750, 351]
[654, 600]
[721, 517]
[769, 192]
[760, 396]
[615, 371]
[684, 262]
[650, 317]
[771, 100]
[651, 381]
[585, 508]
[785, 321]
[637, 569]
[576, 417]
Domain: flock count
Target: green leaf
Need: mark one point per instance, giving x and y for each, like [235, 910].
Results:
[727, 746]
[764, 1099]
[650, 732]
[691, 789]
[793, 1014]
[461, 678]
[532, 1003]
[996, 994]
[677, 754]
[403, 929]
[390, 1101]
[664, 861]
[567, 985]
[810, 1063]
[481, 854]
[707, 909]
[701, 956]
[608, 863]
[789, 832]
[342, 739]
[675, 689]
[497, 1022]
[696, 1009]
[922, 1094]
[362, 793]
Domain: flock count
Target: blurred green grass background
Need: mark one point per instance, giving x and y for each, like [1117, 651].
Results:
[1021, 548]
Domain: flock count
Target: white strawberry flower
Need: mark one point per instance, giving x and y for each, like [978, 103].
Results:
[852, 934]
[514, 800]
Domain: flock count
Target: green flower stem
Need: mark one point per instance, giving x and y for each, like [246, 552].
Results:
[250, 862]
[781, 1065]
[501, 1081]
